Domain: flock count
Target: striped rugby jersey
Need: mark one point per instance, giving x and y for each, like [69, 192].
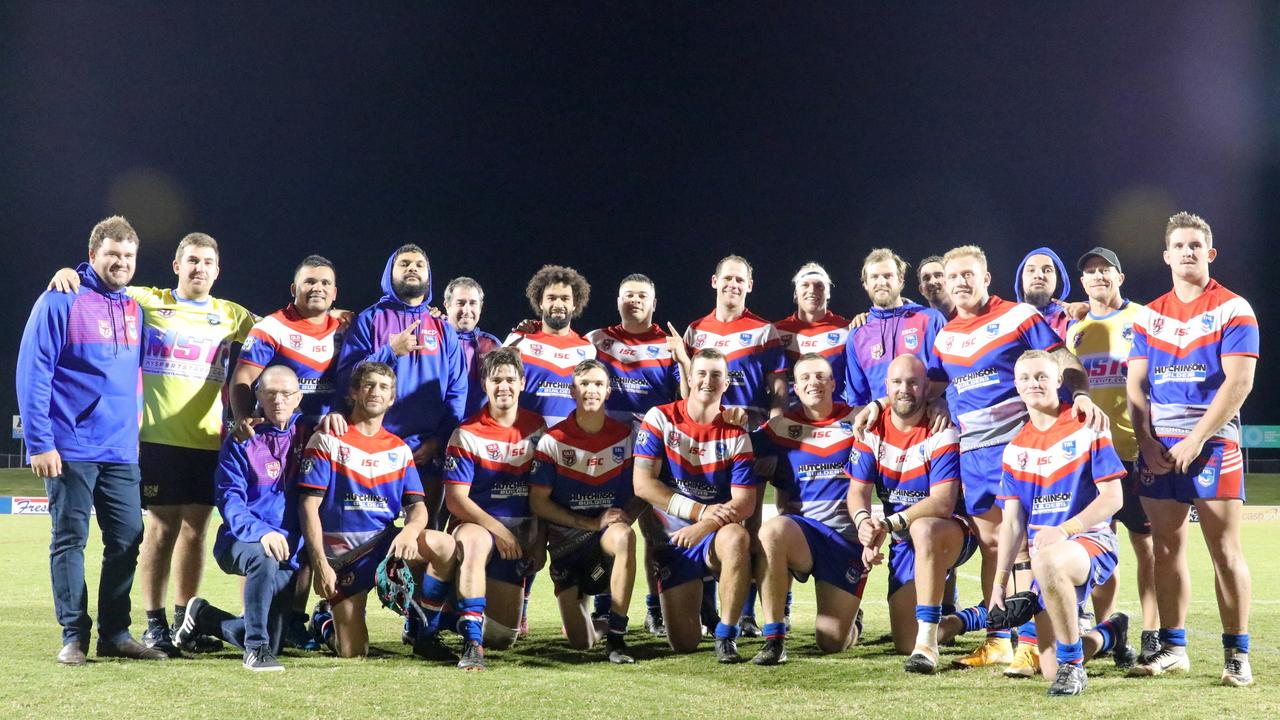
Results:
[1183, 344]
[495, 462]
[548, 371]
[642, 372]
[811, 458]
[1103, 343]
[978, 354]
[701, 462]
[825, 336]
[1054, 472]
[365, 481]
[752, 349]
[309, 349]
[904, 465]
[587, 473]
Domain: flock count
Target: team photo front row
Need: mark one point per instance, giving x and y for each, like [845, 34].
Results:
[405, 452]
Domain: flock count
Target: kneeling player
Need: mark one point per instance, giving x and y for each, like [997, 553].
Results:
[352, 488]
[1060, 491]
[702, 493]
[581, 484]
[486, 475]
[804, 451]
[916, 474]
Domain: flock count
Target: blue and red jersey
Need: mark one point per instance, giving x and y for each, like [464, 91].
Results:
[254, 479]
[701, 461]
[79, 373]
[1054, 473]
[642, 372]
[909, 329]
[978, 354]
[365, 481]
[588, 473]
[548, 371]
[811, 457]
[494, 462]
[752, 350]
[1183, 344]
[825, 336]
[904, 465]
[309, 349]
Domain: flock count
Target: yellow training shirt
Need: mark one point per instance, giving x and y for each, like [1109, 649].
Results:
[1102, 343]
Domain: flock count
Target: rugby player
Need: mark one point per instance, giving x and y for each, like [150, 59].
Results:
[463, 303]
[1102, 341]
[1192, 366]
[431, 382]
[915, 471]
[487, 466]
[581, 485]
[251, 488]
[351, 489]
[701, 493]
[189, 337]
[1058, 483]
[813, 327]
[77, 383]
[644, 373]
[803, 452]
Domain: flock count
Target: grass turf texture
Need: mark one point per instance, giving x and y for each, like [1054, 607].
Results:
[541, 677]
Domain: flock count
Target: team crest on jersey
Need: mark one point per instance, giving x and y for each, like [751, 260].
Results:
[273, 469]
[1023, 459]
[248, 343]
[1157, 324]
[1069, 449]
[744, 339]
[833, 338]
[854, 455]
[846, 425]
[393, 458]
[673, 438]
[1206, 322]
[642, 437]
[606, 344]
[699, 340]
[568, 457]
[924, 454]
[950, 341]
[308, 464]
[165, 312]
[431, 341]
[911, 338]
[104, 328]
[582, 353]
[493, 450]
[214, 319]
[786, 339]
[793, 432]
[536, 349]
[344, 453]
[993, 329]
[1126, 334]
[652, 350]
[450, 463]
[1078, 341]
[877, 352]
[619, 453]
[722, 449]
[131, 327]
[295, 341]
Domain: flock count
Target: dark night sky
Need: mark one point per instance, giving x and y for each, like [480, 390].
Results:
[620, 138]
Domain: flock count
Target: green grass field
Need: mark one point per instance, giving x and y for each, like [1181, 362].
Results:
[540, 677]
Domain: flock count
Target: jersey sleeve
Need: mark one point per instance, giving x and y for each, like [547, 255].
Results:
[243, 321]
[317, 464]
[259, 348]
[411, 491]
[230, 495]
[944, 457]
[861, 465]
[1140, 323]
[1039, 335]
[459, 465]
[543, 472]
[38, 354]
[742, 461]
[1007, 491]
[1104, 461]
[626, 485]
[774, 357]
[1240, 331]
[649, 436]
[932, 365]
[857, 389]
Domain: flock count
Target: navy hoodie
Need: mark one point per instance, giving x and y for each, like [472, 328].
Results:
[1055, 313]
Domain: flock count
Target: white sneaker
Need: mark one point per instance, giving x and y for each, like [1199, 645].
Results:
[1165, 661]
[1235, 670]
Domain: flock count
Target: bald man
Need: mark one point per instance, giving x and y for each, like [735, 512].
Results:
[916, 473]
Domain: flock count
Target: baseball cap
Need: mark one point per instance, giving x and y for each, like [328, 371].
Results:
[1100, 252]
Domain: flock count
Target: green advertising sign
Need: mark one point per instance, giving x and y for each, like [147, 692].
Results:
[1261, 436]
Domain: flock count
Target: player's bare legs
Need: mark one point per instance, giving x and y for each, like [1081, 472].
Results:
[1220, 524]
[1145, 559]
[782, 549]
[833, 627]
[474, 544]
[936, 542]
[187, 564]
[988, 526]
[619, 543]
[680, 608]
[1169, 540]
[160, 534]
[351, 635]
[729, 558]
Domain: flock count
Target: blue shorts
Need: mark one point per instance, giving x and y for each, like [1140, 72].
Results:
[675, 565]
[837, 560]
[980, 470]
[357, 568]
[1104, 555]
[514, 572]
[902, 556]
[1218, 474]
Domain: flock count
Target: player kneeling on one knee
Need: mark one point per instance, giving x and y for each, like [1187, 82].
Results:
[486, 476]
[916, 471]
[701, 494]
[352, 488]
[1059, 486]
[581, 485]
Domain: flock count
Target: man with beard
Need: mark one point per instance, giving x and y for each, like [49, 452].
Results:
[1042, 283]
[431, 382]
[463, 303]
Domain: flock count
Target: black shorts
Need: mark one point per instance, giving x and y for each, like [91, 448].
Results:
[586, 566]
[1131, 514]
[174, 475]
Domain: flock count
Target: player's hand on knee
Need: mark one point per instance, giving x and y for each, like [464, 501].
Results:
[405, 546]
[1047, 535]
[613, 515]
[47, 464]
[324, 580]
[871, 556]
[997, 597]
[722, 514]
[276, 546]
[688, 536]
[508, 547]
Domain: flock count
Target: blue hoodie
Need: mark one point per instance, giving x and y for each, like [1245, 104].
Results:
[253, 482]
[1055, 313]
[79, 383]
[431, 382]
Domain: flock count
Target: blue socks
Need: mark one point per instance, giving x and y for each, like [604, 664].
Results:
[1070, 653]
[774, 630]
[431, 596]
[1239, 643]
[602, 604]
[974, 618]
[617, 623]
[1027, 632]
[1108, 633]
[749, 605]
[929, 613]
[726, 631]
[651, 602]
[472, 621]
[1175, 637]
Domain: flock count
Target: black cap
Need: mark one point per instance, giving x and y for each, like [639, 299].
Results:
[1103, 253]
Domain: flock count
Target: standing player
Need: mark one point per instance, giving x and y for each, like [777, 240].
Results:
[813, 328]
[431, 382]
[581, 485]
[463, 303]
[815, 537]
[1042, 283]
[701, 493]
[1194, 353]
[1058, 484]
[253, 482]
[644, 373]
[351, 489]
[77, 385]
[916, 474]
[894, 327]
[1102, 341]
[486, 477]
[189, 338]
[933, 286]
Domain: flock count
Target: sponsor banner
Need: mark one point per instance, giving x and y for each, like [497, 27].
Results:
[17, 427]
